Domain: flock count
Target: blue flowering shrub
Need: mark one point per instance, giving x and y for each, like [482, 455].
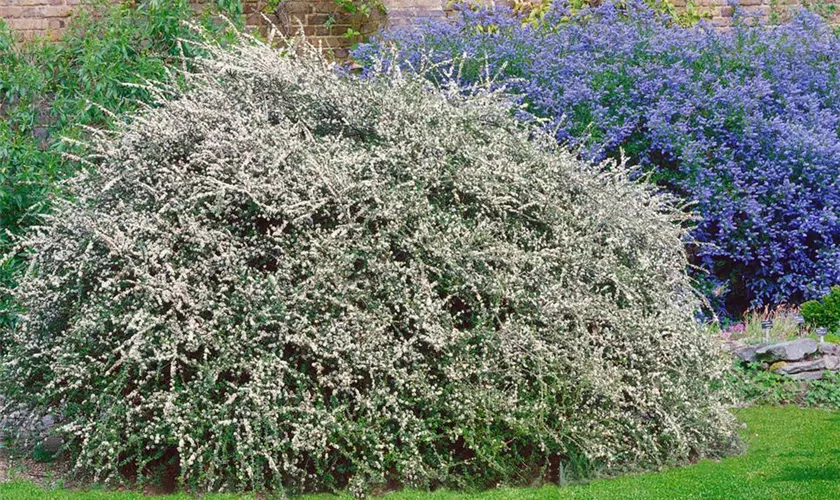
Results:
[744, 124]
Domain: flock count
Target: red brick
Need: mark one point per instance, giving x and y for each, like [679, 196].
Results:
[10, 12]
[37, 16]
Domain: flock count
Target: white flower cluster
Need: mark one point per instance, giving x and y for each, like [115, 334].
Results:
[287, 279]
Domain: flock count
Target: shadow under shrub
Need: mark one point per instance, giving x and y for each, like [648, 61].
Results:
[743, 123]
[287, 279]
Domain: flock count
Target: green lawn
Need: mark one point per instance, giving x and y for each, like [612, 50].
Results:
[792, 453]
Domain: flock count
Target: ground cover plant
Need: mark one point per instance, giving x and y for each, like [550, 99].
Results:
[288, 279]
[754, 384]
[743, 123]
[52, 90]
[790, 453]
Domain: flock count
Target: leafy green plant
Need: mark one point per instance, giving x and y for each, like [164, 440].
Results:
[232, 9]
[41, 454]
[360, 13]
[50, 91]
[832, 338]
[780, 11]
[755, 385]
[688, 15]
[824, 312]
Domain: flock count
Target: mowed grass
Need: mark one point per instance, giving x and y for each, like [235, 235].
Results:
[792, 453]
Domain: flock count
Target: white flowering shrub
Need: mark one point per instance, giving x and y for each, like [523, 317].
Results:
[286, 279]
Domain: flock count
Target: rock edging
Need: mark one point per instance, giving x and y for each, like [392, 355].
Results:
[802, 359]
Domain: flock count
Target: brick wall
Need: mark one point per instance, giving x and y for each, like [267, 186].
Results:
[322, 21]
[33, 18]
[47, 18]
[402, 11]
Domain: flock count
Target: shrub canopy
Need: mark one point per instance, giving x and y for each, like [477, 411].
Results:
[744, 123]
[287, 278]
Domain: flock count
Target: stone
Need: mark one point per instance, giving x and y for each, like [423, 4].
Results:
[829, 348]
[47, 422]
[793, 350]
[747, 353]
[798, 367]
[26, 428]
[731, 346]
[51, 444]
[807, 375]
[832, 363]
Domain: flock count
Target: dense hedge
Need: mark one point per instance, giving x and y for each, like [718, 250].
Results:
[288, 279]
[744, 123]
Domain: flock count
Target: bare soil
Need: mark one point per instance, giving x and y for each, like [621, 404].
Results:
[25, 469]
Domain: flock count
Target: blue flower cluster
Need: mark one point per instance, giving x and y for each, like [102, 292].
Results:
[744, 123]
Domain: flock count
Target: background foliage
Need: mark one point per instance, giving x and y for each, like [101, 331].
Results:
[54, 90]
[824, 312]
[743, 123]
[535, 11]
